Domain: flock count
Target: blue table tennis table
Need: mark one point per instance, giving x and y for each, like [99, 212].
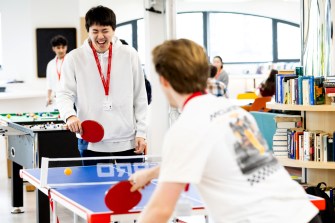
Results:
[84, 190]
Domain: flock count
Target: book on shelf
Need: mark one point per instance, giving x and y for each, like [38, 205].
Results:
[280, 136]
[292, 142]
[317, 147]
[330, 78]
[308, 146]
[327, 83]
[325, 147]
[297, 141]
[280, 151]
[300, 88]
[287, 88]
[301, 146]
[279, 96]
[329, 90]
[288, 121]
[319, 91]
[322, 147]
[330, 148]
[288, 125]
[279, 143]
[306, 90]
[288, 118]
[293, 91]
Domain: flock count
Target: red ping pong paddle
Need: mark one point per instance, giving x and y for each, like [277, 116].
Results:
[120, 199]
[92, 131]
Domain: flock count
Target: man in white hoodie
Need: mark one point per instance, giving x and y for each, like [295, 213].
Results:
[104, 79]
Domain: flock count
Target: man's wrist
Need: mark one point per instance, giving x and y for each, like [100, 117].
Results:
[69, 117]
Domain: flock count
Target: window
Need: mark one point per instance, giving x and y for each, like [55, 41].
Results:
[240, 38]
[141, 39]
[237, 38]
[0, 45]
[125, 32]
[289, 42]
[185, 27]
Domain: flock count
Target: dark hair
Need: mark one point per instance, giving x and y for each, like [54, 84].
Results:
[220, 60]
[213, 70]
[268, 88]
[272, 76]
[183, 63]
[100, 15]
[124, 42]
[58, 40]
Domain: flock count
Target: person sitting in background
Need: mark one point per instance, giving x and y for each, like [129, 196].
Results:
[221, 74]
[268, 87]
[59, 46]
[214, 86]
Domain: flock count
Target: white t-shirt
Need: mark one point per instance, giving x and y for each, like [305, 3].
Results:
[52, 76]
[218, 148]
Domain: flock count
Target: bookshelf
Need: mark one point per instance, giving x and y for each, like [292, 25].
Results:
[289, 107]
[315, 117]
[306, 164]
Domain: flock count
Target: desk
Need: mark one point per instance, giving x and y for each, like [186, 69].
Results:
[241, 102]
[29, 139]
[22, 97]
[87, 201]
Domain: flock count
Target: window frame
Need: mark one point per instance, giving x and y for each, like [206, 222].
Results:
[206, 32]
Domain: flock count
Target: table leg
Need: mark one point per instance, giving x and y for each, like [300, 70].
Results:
[42, 207]
[75, 218]
[17, 189]
[54, 212]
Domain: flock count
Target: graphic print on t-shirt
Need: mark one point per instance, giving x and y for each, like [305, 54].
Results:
[251, 150]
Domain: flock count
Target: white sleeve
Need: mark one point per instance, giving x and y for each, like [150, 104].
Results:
[50, 85]
[140, 97]
[67, 93]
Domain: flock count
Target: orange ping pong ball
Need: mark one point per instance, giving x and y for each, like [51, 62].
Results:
[67, 171]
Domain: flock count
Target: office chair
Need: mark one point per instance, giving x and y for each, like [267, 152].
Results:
[258, 105]
[247, 95]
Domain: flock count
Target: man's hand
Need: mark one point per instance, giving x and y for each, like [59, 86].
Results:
[74, 124]
[140, 145]
[142, 178]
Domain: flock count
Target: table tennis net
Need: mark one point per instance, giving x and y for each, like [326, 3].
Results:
[53, 174]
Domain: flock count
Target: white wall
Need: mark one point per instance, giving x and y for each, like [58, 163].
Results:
[21, 18]
[17, 38]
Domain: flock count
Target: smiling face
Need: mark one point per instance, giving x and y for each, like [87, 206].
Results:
[101, 37]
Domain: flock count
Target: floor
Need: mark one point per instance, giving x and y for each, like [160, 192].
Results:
[29, 215]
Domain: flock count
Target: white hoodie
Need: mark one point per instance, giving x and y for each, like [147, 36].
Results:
[81, 84]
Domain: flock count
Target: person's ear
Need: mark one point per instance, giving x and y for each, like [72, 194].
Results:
[163, 81]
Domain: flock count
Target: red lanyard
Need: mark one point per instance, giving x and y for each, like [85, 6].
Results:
[195, 94]
[105, 83]
[59, 71]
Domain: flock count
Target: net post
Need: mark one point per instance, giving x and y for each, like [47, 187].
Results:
[44, 171]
